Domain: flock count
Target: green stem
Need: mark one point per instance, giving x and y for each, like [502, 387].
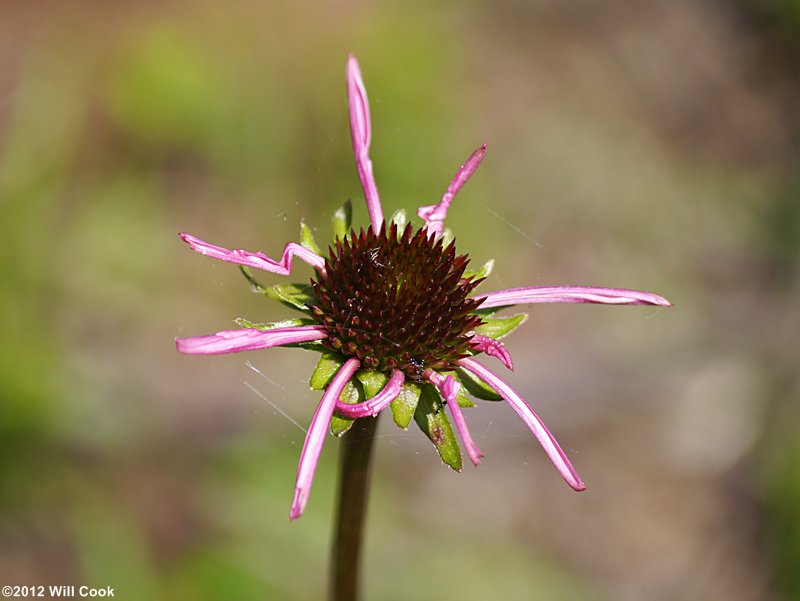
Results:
[355, 468]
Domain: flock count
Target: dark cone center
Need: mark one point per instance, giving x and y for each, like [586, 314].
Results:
[396, 301]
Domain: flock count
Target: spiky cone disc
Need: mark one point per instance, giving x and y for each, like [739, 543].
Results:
[396, 301]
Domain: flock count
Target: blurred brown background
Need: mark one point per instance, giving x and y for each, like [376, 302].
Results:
[637, 144]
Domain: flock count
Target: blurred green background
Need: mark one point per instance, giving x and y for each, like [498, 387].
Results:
[649, 145]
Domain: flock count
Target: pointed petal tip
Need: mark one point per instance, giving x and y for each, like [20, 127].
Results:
[298, 504]
[353, 71]
[576, 485]
[654, 299]
[571, 477]
[476, 459]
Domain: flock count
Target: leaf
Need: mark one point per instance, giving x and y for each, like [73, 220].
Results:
[352, 393]
[296, 296]
[307, 239]
[483, 272]
[400, 218]
[405, 404]
[477, 387]
[328, 365]
[342, 220]
[432, 420]
[500, 327]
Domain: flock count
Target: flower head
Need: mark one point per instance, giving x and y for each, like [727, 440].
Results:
[396, 317]
[397, 300]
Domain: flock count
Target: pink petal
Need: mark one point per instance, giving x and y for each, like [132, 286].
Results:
[493, 348]
[257, 260]
[312, 447]
[361, 134]
[449, 389]
[536, 425]
[234, 341]
[571, 294]
[377, 403]
[434, 214]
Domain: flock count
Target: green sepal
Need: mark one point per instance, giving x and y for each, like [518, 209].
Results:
[296, 296]
[307, 239]
[311, 345]
[404, 406]
[364, 386]
[342, 220]
[271, 325]
[326, 368]
[352, 393]
[482, 273]
[461, 398]
[400, 218]
[432, 420]
[500, 327]
[372, 381]
[477, 387]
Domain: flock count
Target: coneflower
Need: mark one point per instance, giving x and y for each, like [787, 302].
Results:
[398, 320]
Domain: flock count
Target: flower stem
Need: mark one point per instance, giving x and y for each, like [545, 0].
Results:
[356, 459]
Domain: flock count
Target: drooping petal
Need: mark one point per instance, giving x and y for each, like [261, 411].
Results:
[234, 341]
[536, 425]
[449, 389]
[570, 294]
[361, 134]
[312, 447]
[493, 348]
[377, 403]
[257, 260]
[434, 215]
